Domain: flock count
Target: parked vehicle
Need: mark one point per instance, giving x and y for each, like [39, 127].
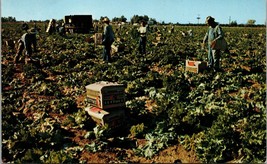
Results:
[78, 23]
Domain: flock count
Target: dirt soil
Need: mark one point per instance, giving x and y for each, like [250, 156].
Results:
[173, 154]
[117, 154]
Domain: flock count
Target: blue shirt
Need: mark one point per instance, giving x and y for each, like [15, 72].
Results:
[213, 34]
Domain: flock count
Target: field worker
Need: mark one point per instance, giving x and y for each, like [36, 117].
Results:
[108, 39]
[95, 26]
[214, 33]
[143, 38]
[190, 33]
[26, 41]
[52, 26]
[172, 29]
[61, 30]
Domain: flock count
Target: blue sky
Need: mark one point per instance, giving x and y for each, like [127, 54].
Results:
[182, 11]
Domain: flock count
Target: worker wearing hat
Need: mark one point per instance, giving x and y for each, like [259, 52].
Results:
[108, 39]
[214, 33]
[26, 41]
[143, 37]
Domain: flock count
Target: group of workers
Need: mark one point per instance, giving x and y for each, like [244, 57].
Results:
[213, 34]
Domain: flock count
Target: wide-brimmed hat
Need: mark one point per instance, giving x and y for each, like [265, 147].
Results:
[106, 19]
[209, 19]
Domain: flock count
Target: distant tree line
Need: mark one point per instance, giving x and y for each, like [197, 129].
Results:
[8, 19]
[134, 19]
[138, 19]
[121, 19]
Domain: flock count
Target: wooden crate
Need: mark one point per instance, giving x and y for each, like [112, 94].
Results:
[195, 66]
[113, 118]
[106, 95]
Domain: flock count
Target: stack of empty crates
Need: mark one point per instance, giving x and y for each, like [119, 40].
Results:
[106, 103]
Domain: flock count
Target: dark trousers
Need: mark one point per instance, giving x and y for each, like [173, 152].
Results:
[106, 52]
[142, 45]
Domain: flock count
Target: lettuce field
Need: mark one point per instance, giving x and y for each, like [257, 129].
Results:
[172, 115]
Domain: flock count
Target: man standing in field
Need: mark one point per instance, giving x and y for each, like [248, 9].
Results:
[108, 39]
[26, 41]
[143, 39]
[213, 34]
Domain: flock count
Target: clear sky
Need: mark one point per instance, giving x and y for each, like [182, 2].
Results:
[181, 11]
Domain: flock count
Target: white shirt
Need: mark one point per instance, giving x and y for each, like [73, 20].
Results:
[142, 31]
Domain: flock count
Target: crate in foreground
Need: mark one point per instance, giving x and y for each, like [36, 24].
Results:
[195, 66]
[106, 95]
[113, 118]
